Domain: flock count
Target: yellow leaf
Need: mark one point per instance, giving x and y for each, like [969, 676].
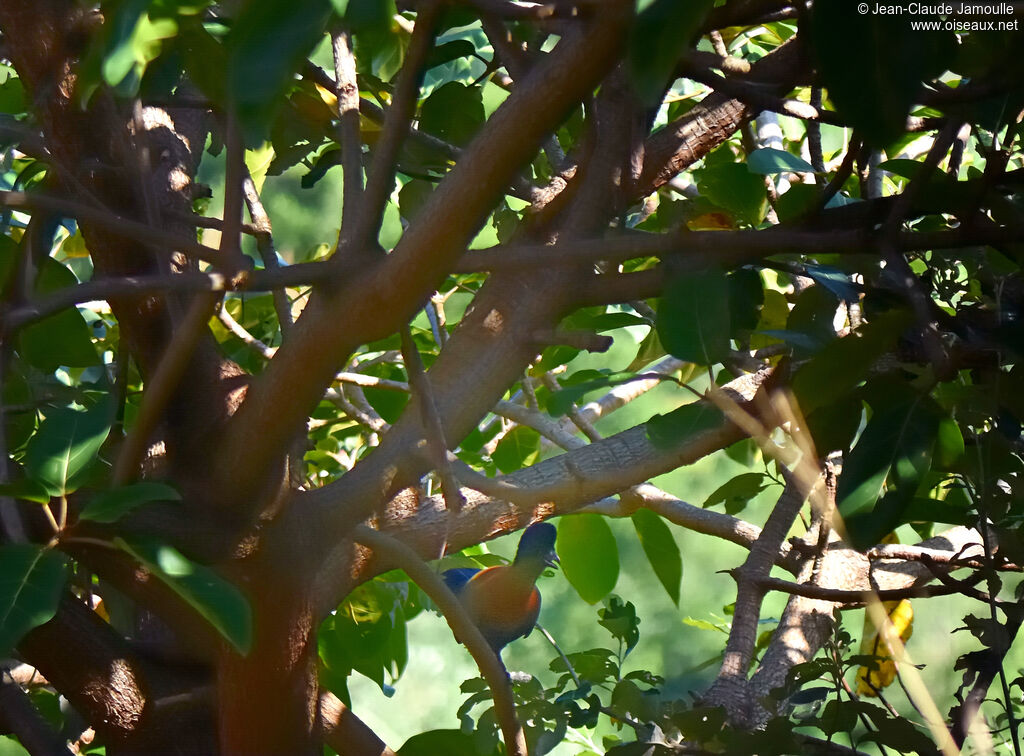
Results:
[74, 246]
[711, 222]
[870, 681]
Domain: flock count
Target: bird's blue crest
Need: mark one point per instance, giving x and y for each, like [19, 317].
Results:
[537, 540]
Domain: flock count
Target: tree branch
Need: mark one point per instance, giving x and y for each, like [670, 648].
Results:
[379, 298]
[124, 227]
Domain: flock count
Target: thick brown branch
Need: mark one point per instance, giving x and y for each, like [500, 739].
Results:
[378, 299]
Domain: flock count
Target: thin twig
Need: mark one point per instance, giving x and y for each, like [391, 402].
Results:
[433, 425]
[381, 175]
[130, 229]
[267, 251]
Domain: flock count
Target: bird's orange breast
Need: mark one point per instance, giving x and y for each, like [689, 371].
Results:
[499, 597]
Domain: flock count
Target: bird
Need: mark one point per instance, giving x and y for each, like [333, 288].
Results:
[503, 601]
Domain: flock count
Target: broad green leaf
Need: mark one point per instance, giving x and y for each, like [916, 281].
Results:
[519, 448]
[433, 742]
[589, 555]
[683, 423]
[449, 51]
[32, 580]
[661, 549]
[367, 634]
[736, 493]
[9, 746]
[112, 505]
[774, 314]
[650, 349]
[746, 298]
[267, 43]
[835, 280]
[812, 315]
[834, 426]
[874, 89]
[895, 451]
[845, 362]
[661, 31]
[693, 317]
[561, 402]
[29, 490]
[66, 445]
[218, 601]
[732, 187]
[12, 96]
[364, 16]
[453, 112]
[768, 160]
[120, 28]
[949, 444]
[62, 339]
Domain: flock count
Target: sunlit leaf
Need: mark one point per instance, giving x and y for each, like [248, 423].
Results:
[218, 601]
[589, 555]
[768, 160]
[112, 505]
[661, 550]
[60, 454]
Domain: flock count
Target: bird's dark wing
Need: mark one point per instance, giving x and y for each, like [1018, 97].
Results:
[457, 578]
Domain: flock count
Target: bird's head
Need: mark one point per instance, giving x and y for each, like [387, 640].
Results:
[538, 545]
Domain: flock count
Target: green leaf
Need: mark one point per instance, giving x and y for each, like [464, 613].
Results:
[845, 362]
[683, 423]
[661, 549]
[835, 280]
[367, 633]
[834, 426]
[736, 493]
[267, 43]
[519, 448]
[895, 451]
[66, 445]
[449, 51]
[9, 746]
[650, 349]
[32, 581]
[218, 601]
[112, 505]
[12, 98]
[453, 112]
[589, 555]
[693, 317]
[661, 31]
[746, 298]
[949, 444]
[619, 618]
[769, 160]
[433, 742]
[63, 339]
[732, 187]
[576, 387]
[29, 490]
[875, 96]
